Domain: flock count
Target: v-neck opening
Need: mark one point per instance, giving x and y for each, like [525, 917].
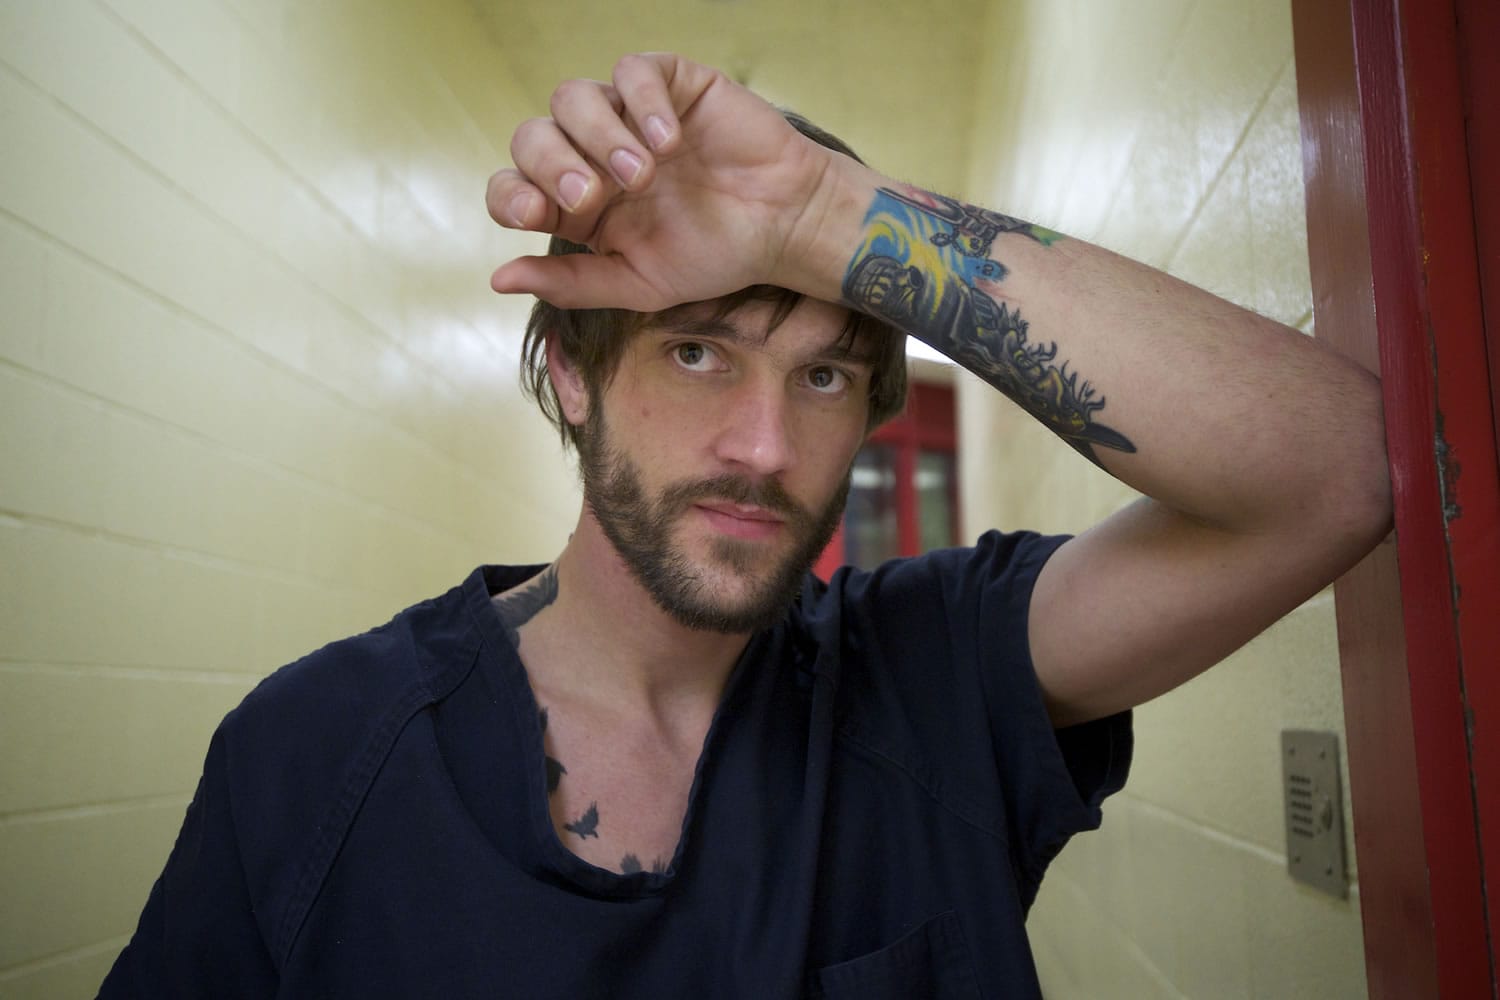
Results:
[505, 674]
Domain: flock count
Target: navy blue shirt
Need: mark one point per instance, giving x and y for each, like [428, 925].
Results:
[878, 797]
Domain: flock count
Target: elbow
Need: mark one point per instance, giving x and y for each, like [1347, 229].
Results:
[1370, 513]
[1374, 503]
[1359, 503]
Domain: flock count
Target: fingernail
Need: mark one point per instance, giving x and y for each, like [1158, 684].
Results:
[626, 165]
[657, 132]
[572, 189]
[520, 207]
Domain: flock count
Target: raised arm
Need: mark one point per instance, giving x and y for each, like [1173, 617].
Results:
[1261, 454]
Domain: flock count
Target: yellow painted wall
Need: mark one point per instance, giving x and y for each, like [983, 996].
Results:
[255, 394]
[1167, 130]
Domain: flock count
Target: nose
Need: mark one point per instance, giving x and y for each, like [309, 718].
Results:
[756, 433]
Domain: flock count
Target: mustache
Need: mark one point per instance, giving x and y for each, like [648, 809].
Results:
[768, 493]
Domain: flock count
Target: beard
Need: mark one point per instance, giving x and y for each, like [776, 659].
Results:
[640, 529]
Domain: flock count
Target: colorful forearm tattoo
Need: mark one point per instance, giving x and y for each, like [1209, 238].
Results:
[924, 264]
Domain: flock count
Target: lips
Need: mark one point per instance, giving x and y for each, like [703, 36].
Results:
[741, 520]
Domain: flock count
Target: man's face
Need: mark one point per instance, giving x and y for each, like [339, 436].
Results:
[718, 464]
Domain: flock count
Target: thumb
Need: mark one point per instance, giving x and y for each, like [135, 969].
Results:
[579, 281]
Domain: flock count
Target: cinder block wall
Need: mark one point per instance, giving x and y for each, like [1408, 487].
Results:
[1167, 130]
[254, 395]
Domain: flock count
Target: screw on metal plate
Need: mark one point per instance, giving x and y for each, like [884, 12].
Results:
[1314, 810]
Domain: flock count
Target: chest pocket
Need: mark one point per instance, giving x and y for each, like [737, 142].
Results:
[931, 962]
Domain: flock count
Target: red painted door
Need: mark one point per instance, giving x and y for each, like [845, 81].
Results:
[1401, 127]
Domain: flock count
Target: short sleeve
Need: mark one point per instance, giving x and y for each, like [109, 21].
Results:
[1055, 780]
[953, 683]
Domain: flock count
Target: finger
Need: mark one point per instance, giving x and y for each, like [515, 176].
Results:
[665, 86]
[549, 160]
[579, 281]
[516, 203]
[643, 83]
[588, 112]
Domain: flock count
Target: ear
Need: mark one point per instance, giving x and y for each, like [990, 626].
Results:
[567, 382]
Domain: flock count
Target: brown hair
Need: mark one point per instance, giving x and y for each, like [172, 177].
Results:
[594, 340]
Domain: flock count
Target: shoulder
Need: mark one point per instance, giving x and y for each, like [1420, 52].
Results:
[933, 672]
[347, 682]
[300, 752]
[935, 677]
[922, 646]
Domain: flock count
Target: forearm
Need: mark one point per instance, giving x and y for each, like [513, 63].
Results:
[1225, 416]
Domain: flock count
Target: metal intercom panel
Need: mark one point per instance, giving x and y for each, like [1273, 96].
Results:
[1314, 810]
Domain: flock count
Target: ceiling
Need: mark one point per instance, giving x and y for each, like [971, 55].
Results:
[894, 79]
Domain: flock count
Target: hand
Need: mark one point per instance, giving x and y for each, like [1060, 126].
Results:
[684, 184]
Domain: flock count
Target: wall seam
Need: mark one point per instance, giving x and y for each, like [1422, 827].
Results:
[198, 557]
[168, 428]
[454, 465]
[1177, 32]
[90, 810]
[1205, 830]
[367, 327]
[131, 672]
[1213, 185]
[1131, 946]
[285, 168]
[1209, 832]
[35, 965]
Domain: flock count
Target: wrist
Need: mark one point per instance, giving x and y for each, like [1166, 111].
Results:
[828, 228]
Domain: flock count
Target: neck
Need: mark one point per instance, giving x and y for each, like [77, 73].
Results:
[606, 639]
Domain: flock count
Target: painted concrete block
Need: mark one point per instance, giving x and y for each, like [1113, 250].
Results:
[75, 878]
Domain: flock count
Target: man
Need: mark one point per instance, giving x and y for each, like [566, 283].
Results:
[670, 763]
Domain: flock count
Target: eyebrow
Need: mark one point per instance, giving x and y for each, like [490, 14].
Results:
[695, 326]
[718, 329]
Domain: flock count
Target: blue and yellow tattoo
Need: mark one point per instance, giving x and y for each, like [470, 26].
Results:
[920, 267]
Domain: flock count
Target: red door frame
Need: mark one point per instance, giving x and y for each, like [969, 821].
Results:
[1399, 113]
